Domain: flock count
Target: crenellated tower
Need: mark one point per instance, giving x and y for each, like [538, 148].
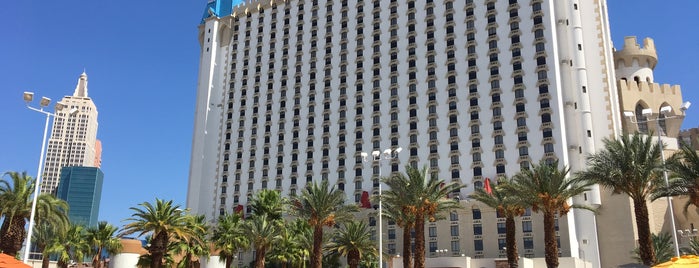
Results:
[634, 65]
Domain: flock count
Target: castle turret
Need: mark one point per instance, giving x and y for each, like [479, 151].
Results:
[638, 91]
[636, 63]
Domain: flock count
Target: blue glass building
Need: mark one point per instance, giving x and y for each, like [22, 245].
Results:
[81, 187]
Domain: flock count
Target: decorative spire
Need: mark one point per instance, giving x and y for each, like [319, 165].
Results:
[81, 89]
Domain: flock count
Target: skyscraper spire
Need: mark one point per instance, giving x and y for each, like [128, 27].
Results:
[81, 88]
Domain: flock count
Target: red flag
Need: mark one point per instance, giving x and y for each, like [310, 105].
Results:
[487, 187]
[364, 201]
[239, 210]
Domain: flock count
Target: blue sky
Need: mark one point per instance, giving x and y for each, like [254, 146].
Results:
[142, 60]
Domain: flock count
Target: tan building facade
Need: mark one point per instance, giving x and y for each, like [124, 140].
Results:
[638, 91]
[691, 137]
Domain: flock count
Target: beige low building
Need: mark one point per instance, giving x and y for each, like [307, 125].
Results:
[128, 258]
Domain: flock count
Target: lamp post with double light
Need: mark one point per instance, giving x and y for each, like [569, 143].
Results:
[378, 156]
[43, 104]
[662, 116]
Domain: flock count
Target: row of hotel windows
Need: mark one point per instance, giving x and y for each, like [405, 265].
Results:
[528, 242]
[518, 79]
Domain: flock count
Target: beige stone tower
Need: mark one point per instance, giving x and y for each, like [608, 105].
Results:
[634, 65]
[637, 91]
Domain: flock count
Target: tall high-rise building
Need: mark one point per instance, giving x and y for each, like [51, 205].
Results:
[81, 188]
[73, 140]
[292, 92]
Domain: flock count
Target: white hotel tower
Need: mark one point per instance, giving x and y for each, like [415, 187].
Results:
[291, 92]
[73, 140]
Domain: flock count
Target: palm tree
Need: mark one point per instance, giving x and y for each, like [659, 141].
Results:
[353, 240]
[45, 237]
[164, 221]
[685, 177]
[268, 202]
[229, 237]
[393, 210]
[547, 188]
[508, 206]
[292, 245]
[693, 248]
[286, 250]
[425, 196]
[16, 206]
[303, 239]
[663, 247]
[71, 245]
[632, 166]
[322, 206]
[145, 260]
[261, 232]
[102, 238]
[196, 245]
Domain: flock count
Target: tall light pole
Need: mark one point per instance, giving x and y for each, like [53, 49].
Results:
[377, 156]
[664, 110]
[28, 97]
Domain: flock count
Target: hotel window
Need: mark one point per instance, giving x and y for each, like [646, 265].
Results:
[528, 243]
[478, 245]
[433, 231]
[477, 229]
[499, 154]
[546, 118]
[521, 122]
[544, 103]
[454, 230]
[523, 151]
[548, 148]
[497, 125]
[455, 247]
[476, 213]
[433, 246]
[526, 226]
[548, 133]
[477, 171]
[500, 169]
[476, 157]
[498, 139]
[497, 111]
[501, 228]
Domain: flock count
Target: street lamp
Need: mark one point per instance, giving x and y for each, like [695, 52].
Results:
[43, 103]
[664, 110]
[688, 233]
[377, 156]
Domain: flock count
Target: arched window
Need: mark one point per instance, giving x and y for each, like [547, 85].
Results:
[641, 119]
[662, 124]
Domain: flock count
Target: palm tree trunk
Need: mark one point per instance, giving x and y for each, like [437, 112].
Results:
[157, 249]
[645, 244]
[97, 260]
[511, 242]
[550, 243]
[353, 259]
[419, 241]
[229, 261]
[13, 234]
[317, 256]
[45, 261]
[407, 249]
[260, 258]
